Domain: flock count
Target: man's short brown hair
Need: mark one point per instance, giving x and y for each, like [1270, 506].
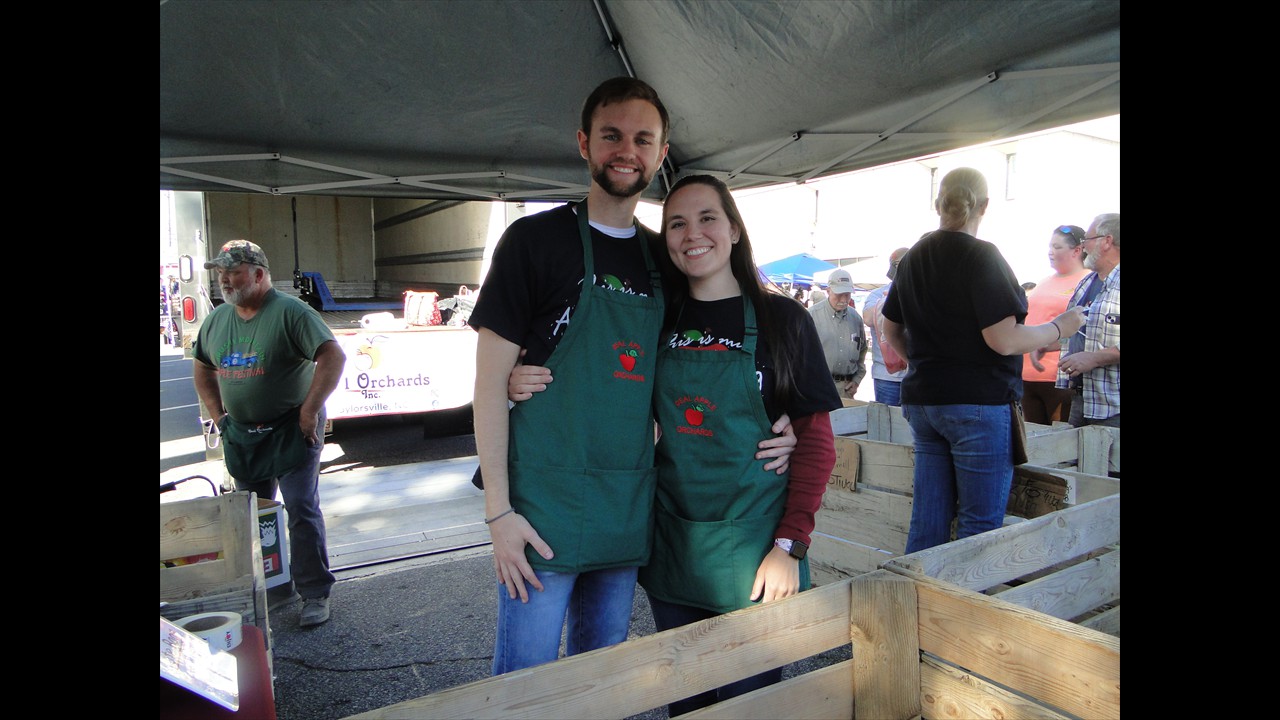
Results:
[617, 90]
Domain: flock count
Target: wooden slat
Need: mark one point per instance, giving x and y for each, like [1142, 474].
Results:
[241, 538]
[879, 423]
[885, 423]
[188, 581]
[191, 527]
[992, 558]
[238, 598]
[1107, 622]
[1099, 450]
[824, 694]
[870, 517]
[886, 465]
[1058, 663]
[1072, 591]
[647, 672]
[849, 420]
[832, 559]
[1095, 447]
[1081, 487]
[1053, 447]
[949, 692]
[886, 646]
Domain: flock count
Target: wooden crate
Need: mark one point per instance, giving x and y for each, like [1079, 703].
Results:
[865, 514]
[922, 646]
[1065, 564]
[1092, 450]
[227, 525]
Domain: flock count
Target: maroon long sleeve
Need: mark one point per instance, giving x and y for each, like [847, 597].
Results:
[811, 465]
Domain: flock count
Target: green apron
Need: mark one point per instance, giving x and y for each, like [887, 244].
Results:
[717, 507]
[263, 451]
[581, 452]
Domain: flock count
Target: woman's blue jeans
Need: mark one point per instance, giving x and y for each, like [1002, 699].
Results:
[963, 468]
[595, 606]
[888, 392]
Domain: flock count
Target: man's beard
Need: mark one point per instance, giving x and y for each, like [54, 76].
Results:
[600, 173]
[1091, 262]
[232, 296]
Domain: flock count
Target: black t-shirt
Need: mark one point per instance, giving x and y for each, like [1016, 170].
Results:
[718, 325]
[948, 288]
[535, 278]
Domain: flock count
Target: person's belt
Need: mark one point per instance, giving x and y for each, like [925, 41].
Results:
[841, 377]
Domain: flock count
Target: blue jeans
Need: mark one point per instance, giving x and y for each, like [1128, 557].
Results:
[669, 615]
[964, 467]
[308, 549]
[595, 605]
[888, 392]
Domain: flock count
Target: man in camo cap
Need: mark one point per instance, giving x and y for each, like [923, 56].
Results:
[264, 365]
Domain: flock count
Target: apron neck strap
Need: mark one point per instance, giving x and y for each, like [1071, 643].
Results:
[584, 232]
[749, 327]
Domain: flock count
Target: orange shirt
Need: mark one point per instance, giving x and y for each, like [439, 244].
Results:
[1045, 302]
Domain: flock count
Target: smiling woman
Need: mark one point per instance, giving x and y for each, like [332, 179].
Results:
[1042, 402]
[760, 358]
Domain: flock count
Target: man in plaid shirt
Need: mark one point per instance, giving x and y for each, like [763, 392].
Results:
[1090, 363]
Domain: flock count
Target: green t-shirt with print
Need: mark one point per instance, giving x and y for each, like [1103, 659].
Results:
[265, 364]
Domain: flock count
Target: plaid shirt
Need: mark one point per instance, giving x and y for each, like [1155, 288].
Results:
[1102, 384]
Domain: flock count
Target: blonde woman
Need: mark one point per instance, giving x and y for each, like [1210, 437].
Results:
[955, 312]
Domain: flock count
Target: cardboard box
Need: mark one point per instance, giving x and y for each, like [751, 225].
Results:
[844, 475]
[272, 525]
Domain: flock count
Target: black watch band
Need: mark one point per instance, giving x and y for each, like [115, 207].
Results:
[798, 549]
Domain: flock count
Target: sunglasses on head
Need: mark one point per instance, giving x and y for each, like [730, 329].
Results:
[1074, 232]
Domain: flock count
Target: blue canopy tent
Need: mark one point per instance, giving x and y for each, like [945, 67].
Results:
[795, 270]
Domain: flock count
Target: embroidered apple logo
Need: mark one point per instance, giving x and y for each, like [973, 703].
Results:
[693, 414]
[628, 360]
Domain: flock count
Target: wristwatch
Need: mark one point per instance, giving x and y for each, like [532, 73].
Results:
[794, 548]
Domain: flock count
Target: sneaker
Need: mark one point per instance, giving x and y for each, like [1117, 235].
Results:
[315, 611]
[276, 603]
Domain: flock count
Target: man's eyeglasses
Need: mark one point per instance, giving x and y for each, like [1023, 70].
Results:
[1094, 237]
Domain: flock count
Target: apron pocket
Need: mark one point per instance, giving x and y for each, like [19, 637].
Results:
[592, 518]
[710, 565]
[254, 453]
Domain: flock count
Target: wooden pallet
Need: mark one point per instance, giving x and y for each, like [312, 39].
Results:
[922, 645]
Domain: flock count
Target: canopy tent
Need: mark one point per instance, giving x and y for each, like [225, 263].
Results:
[479, 99]
[797, 269]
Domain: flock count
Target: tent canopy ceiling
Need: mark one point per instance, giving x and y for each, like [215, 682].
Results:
[479, 99]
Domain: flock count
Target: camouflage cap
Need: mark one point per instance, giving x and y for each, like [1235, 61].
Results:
[235, 252]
